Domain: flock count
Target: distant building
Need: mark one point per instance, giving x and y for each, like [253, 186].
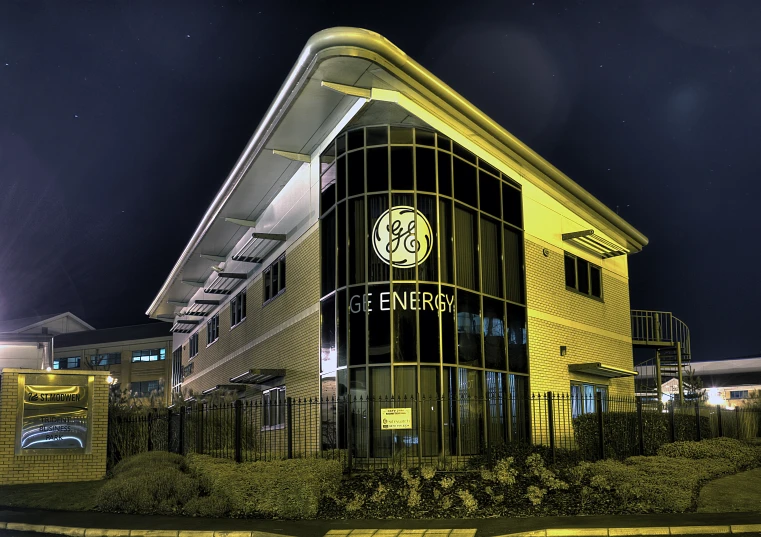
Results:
[27, 342]
[138, 357]
[728, 383]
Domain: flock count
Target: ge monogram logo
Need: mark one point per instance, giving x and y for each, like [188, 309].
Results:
[400, 235]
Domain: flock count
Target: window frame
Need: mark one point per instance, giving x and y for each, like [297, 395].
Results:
[193, 346]
[160, 354]
[95, 359]
[597, 388]
[238, 309]
[589, 267]
[268, 282]
[212, 326]
[280, 411]
[140, 383]
[57, 362]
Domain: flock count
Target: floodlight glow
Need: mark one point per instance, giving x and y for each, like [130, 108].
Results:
[714, 398]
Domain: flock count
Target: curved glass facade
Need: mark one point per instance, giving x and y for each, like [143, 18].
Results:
[423, 291]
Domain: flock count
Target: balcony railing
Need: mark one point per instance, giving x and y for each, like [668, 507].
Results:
[659, 329]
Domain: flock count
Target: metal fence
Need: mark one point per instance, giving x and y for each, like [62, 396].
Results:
[447, 433]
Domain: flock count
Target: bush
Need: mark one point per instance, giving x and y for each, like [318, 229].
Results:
[742, 455]
[282, 489]
[149, 483]
[644, 484]
[620, 432]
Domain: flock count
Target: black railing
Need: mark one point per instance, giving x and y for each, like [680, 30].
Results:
[447, 433]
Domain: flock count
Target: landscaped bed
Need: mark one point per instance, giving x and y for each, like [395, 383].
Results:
[519, 483]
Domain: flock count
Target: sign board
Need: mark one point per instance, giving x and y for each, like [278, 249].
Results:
[396, 418]
[54, 414]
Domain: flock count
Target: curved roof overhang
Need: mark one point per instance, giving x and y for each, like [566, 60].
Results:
[303, 113]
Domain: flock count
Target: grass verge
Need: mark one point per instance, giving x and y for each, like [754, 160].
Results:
[733, 493]
[78, 496]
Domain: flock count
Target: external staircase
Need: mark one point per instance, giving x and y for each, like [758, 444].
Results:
[669, 337]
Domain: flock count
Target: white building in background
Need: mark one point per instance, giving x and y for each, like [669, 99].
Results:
[728, 383]
[28, 342]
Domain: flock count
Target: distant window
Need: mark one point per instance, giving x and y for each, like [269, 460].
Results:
[187, 370]
[66, 363]
[583, 398]
[738, 394]
[148, 355]
[145, 388]
[110, 358]
[238, 309]
[194, 345]
[583, 276]
[212, 330]
[274, 279]
[273, 407]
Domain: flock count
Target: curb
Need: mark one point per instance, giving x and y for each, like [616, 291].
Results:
[102, 532]
[626, 532]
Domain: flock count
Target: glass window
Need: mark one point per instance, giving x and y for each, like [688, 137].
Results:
[429, 305]
[106, 359]
[376, 206]
[485, 166]
[516, 339]
[468, 328]
[465, 182]
[341, 178]
[513, 255]
[328, 193]
[212, 330]
[488, 190]
[424, 137]
[357, 240]
[491, 257]
[446, 240]
[378, 306]
[72, 362]
[401, 168]
[356, 172]
[193, 345]
[377, 169]
[149, 355]
[341, 311]
[466, 241]
[341, 244]
[584, 398]
[274, 278]
[463, 153]
[428, 269]
[425, 164]
[583, 276]
[443, 143]
[273, 407]
[328, 256]
[355, 139]
[238, 309]
[146, 388]
[595, 281]
[494, 334]
[570, 271]
[401, 135]
[448, 315]
[328, 354]
[404, 249]
[377, 135]
[340, 144]
[470, 413]
[511, 205]
[356, 332]
[445, 173]
[404, 303]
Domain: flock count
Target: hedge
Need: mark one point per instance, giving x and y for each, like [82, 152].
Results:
[282, 489]
[621, 436]
[741, 454]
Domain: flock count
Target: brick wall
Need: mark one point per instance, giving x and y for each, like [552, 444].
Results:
[592, 330]
[282, 334]
[17, 469]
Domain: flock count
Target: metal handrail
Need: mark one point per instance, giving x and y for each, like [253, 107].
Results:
[659, 327]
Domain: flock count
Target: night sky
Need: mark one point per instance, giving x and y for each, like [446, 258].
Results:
[119, 121]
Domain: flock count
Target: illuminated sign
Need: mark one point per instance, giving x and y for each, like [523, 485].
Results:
[409, 300]
[396, 418]
[54, 413]
[402, 237]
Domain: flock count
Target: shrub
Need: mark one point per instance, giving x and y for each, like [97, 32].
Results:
[154, 490]
[620, 432]
[741, 454]
[646, 484]
[147, 462]
[283, 489]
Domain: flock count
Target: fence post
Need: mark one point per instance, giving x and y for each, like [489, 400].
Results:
[238, 429]
[672, 425]
[697, 420]
[640, 428]
[551, 424]
[737, 422]
[598, 408]
[182, 432]
[169, 430]
[150, 422]
[718, 417]
[289, 417]
[198, 409]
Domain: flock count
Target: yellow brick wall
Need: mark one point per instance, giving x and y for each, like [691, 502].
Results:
[51, 468]
[294, 348]
[592, 331]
